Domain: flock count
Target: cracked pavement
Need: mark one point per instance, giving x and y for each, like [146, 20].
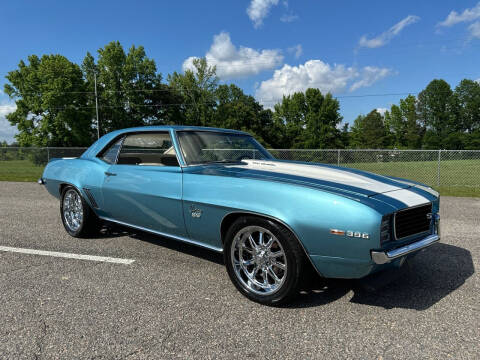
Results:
[176, 300]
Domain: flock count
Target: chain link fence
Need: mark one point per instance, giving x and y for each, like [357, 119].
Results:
[437, 168]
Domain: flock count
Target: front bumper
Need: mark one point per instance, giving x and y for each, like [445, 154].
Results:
[383, 257]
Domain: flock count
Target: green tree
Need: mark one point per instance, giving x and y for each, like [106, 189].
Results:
[235, 110]
[322, 117]
[50, 96]
[289, 116]
[413, 130]
[436, 109]
[309, 120]
[396, 125]
[402, 123]
[345, 136]
[369, 132]
[197, 91]
[468, 95]
[130, 90]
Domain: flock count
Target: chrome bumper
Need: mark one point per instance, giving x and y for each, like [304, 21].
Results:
[383, 257]
[41, 181]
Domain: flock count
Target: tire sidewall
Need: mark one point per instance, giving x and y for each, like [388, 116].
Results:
[293, 262]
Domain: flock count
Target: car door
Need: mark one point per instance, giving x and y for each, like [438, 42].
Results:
[143, 188]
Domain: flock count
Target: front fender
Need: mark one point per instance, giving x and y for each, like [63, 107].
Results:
[308, 212]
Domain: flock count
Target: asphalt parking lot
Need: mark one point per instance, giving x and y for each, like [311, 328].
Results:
[176, 300]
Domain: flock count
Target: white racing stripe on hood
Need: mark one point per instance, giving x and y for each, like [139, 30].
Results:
[343, 177]
[422, 187]
[408, 197]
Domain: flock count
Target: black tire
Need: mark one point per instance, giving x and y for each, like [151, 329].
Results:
[90, 224]
[294, 257]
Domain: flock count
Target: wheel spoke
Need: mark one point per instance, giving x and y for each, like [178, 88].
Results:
[269, 243]
[264, 276]
[279, 265]
[244, 248]
[273, 275]
[276, 254]
[252, 242]
[248, 262]
[260, 238]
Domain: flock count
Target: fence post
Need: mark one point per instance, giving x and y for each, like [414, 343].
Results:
[438, 167]
[48, 154]
[338, 157]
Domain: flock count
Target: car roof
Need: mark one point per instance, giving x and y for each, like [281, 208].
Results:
[107, 138]
[179, 128]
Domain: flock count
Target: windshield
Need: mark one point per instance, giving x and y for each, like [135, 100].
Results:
[200, 147]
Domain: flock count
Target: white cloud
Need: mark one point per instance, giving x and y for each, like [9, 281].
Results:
[233, 62]
[287, 18]
[368, 76]
[296, 50]
[385, 37]
[6, 130]
[382, 111]
[475, 29]
[467, 15]
[316, 74]
[259, 9]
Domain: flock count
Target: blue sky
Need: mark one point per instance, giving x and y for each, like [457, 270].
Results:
[268, 47]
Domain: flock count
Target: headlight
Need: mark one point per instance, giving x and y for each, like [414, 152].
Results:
[386, 229]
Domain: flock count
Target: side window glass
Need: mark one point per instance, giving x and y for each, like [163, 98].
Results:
[110, 155]
[154, 149]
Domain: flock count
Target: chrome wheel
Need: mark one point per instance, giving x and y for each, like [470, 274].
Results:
[72, 210]
[258, 260]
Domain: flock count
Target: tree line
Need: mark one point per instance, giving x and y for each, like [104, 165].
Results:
[56, 106]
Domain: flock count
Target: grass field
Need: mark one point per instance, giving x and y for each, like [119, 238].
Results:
[457, 177]
[19, 170]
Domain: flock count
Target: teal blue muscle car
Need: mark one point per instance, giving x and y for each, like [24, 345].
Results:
[222, 190]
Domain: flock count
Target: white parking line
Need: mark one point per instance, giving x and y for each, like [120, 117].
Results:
[67, 255]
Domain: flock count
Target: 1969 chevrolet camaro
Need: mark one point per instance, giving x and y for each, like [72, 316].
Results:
[222, 190]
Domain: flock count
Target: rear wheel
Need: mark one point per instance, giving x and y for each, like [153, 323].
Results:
[77, 217]
[263, 259]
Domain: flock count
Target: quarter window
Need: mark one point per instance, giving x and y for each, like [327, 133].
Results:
[110, 155]
[154, 149]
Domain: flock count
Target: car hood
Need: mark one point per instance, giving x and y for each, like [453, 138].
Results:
[345, 181]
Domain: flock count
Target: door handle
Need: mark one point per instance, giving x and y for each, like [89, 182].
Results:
[110, 174]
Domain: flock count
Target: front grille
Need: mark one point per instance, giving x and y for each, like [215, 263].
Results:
[412, 221]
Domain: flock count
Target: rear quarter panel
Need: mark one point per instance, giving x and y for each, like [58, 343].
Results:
[80, 172]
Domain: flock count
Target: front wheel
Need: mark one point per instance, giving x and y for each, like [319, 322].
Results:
[77, 217]
[263, 259]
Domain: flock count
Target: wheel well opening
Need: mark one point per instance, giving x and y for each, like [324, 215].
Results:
[62, 186]
[231, 218]
[227, 222]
